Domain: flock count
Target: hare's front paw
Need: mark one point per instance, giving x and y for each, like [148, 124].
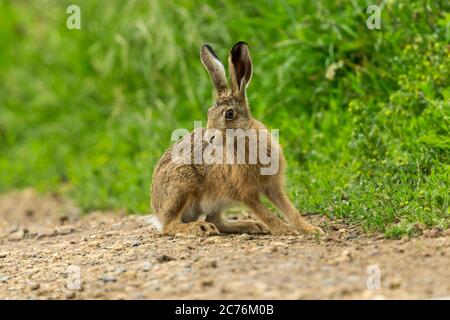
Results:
[250, 227]
[258, 228]
[202, 228]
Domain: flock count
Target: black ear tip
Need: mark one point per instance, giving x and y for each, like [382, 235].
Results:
[240, 43]
[238, 46]
[210, 50]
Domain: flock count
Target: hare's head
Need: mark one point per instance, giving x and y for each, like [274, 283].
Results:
[230, 110]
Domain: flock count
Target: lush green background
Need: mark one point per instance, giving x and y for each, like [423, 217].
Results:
[87, 113]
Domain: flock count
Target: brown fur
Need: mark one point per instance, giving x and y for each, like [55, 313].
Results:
[183, 192]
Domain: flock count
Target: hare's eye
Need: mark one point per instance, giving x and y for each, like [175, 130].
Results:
[229, 114]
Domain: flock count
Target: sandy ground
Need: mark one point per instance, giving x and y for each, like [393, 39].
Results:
[47, 251]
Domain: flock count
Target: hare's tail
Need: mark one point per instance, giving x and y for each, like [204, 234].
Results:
[155, 222]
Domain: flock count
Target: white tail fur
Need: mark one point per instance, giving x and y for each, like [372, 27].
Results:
[154, 221]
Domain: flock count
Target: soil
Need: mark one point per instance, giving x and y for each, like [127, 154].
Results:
[49, 251]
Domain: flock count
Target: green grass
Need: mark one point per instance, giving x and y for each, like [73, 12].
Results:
[87, 113]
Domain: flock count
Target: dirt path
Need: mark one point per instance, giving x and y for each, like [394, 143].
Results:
[48, 251]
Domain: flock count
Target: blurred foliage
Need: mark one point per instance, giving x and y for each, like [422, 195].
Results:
[363, 114]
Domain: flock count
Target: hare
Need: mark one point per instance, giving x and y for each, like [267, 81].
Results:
[181, 193]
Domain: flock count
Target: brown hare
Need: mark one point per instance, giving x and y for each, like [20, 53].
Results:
[182, 192]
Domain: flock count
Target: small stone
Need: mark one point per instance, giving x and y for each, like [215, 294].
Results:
[18, 235]
[351, 237]
[64, 230]
[345, 256]
[164, 258]
[246, 236]
[35, 286]
[211, 240]
[207, 283]
[13, 229]
[94, 244]
[117, 247]
[278, 243]
[395, 283]
[41, 235]
[4, 254]
[3, 278]
[56, 257]
[116, 226]
[136, 243]
[70, 295]
[342, 230]
[214, 264]
[146, 266]
[270, 249]
[120, 270]
[107, 278]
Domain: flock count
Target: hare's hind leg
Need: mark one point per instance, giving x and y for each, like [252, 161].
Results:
[276, 225]
[227, 226]
[282, 202]
[171, 219]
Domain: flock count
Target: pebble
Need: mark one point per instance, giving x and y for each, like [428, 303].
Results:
[146, 266]
[136, 243]
[278, 243]
[107, 278]
[64, 230]
[18, 235]
[94, 244]
[120, 270]
[343, 257]
[246, 236]
[207, 283]
[117, 247]
[56, 257]
[116, 226]
[13, 229]
[211, 240]
[269, 249]
[395, 283]
[3, 278]
[164, 258]
[41, 235]
[35, 286]
[4, 254]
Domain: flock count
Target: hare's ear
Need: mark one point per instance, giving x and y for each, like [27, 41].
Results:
[215, 68]
[241, 68]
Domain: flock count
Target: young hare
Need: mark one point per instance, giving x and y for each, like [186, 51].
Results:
[183, 192]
